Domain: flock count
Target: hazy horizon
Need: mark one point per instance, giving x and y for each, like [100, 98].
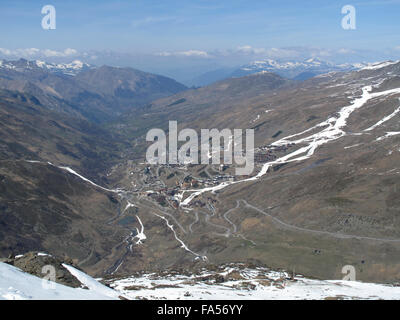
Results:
[184, 39]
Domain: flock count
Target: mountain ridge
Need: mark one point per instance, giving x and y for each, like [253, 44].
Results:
[94, 93]
[290, 69]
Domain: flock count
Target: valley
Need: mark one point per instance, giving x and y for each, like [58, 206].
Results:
[323, 194]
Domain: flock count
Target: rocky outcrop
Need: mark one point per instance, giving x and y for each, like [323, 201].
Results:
[35, 263]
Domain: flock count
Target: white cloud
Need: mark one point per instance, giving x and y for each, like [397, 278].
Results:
[345, 51]
[273, 53]
[250, 50]
[66, 53]
[195, 53]
[152, 20]
[188, 53]
[28, 52]
[5, 52]
[247, 52]
[37, 53]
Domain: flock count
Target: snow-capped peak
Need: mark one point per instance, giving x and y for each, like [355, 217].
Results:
[16, 284]
[302, 69]
[378, 65]
[274, 64]
[68, 68]
[40, 64]
[72, 68]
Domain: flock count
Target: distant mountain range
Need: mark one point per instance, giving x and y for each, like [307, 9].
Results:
[296, 70]
[72, 68]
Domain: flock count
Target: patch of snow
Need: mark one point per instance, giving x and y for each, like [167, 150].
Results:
[183, 245]
[256, 283]
[140, 235]
[91, 283]
[378, 65]
[387, 118]
[41, 254]
[18, 285]
[353, 146]
[388, 134]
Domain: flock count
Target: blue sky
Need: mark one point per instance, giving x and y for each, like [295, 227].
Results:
[148, 33]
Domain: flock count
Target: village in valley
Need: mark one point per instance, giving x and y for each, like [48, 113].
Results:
[168, 184]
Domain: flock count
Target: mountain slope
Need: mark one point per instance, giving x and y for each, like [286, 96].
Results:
[18, 285]
[125, 89]
[95, 94]
[30, 131]
[204, 107]
[327, 186]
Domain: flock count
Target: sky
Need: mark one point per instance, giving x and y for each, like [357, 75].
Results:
[199, 35]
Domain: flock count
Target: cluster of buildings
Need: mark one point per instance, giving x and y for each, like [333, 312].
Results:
[268, 153]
